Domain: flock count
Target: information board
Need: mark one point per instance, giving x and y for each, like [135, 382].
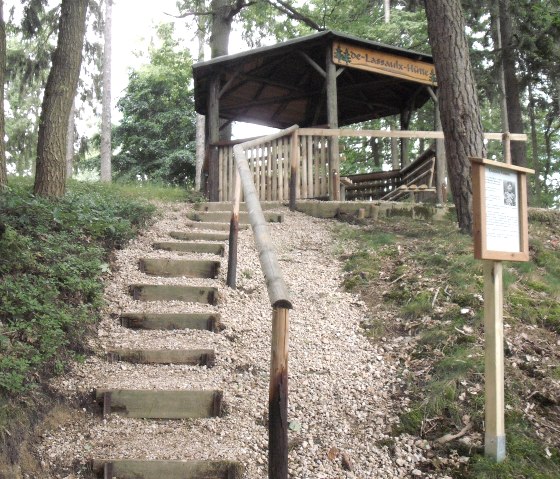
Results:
[499, 210]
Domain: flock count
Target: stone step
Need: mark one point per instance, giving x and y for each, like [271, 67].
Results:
[225, 217]
[172, 292]
[198, 225]
[191, 268]
[226, 206]
[210, 248]
[139, 469]
[166, 321]
[194, 357]
[199, 235]
[158, 404]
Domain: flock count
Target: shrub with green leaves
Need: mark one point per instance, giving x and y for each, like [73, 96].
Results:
[52, 256]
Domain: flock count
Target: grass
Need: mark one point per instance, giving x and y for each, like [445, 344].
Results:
[435, 286]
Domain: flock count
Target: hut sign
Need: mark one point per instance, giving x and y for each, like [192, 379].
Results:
[370, 60]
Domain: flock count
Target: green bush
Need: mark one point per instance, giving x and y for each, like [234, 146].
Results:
[52, 256]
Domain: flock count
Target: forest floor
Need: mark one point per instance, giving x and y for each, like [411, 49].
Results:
[421, 284]
[386, 357]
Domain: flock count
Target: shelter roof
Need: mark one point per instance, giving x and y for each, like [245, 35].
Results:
[284, 84]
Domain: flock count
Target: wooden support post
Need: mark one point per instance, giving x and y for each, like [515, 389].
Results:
[213, 127]
[441, 165]
[332, 118]
[107, 403]
[108, 470]
[507, 147]
[234, 233]
[278, 397]
[294, 163]
[494, 437]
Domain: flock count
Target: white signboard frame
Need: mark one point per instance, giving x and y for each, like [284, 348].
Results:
[500, 228]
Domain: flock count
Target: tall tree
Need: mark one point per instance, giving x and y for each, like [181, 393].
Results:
[106, 151]
[50, 176]
[511, 85]
[3, 169]
[157, 132]
[458, 101]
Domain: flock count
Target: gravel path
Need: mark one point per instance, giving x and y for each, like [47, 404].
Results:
[340, 407]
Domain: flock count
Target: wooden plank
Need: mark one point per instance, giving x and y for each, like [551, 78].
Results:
[190, 268]
[280, 167]
[264, 154]
[166, 404]
[225, 216]
[231, 171]
[158, 469]
[287, 162]
[269, 182]
[274, 196]
[316, 167]
[198, 235]
[222, 184]
[172, 292]
[191, 247]
[323, 168]
[209, 226]
[226, 206]
[309, 160]
[194, 357]
[167, 321]
[303, 141]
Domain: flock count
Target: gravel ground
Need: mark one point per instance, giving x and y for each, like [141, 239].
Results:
[341, 385]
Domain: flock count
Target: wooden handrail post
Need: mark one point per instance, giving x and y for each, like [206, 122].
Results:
[294, 162]
[234, 232]
[278, 397]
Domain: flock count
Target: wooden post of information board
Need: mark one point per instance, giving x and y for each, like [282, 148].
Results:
[494, 435]
[500, 232]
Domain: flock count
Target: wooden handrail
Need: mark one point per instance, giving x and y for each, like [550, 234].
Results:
[279, 299]
[399, 134]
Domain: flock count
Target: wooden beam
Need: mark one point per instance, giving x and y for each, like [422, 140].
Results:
[313, 63]
[213, 135]
[332, 119]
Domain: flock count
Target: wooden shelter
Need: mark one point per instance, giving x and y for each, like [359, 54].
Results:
[327, 80]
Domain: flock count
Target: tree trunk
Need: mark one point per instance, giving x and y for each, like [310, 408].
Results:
[200, 120]
[459, 108]
[511, 85]
[106, 151]
[50, 177]
[222, 16]
[70, 142]
[534, 147]
[3, 169]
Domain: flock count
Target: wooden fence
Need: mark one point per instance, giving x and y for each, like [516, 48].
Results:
[306, 152]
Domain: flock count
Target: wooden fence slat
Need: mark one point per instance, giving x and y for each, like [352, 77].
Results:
[221, 179]
[262, 195]
[269, 172]
[280, 151]
[274, 171]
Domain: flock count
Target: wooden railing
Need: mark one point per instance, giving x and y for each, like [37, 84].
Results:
[305, 152]
[247, 179]
[418, 178]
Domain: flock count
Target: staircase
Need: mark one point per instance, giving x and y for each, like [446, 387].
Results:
[205, 236]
